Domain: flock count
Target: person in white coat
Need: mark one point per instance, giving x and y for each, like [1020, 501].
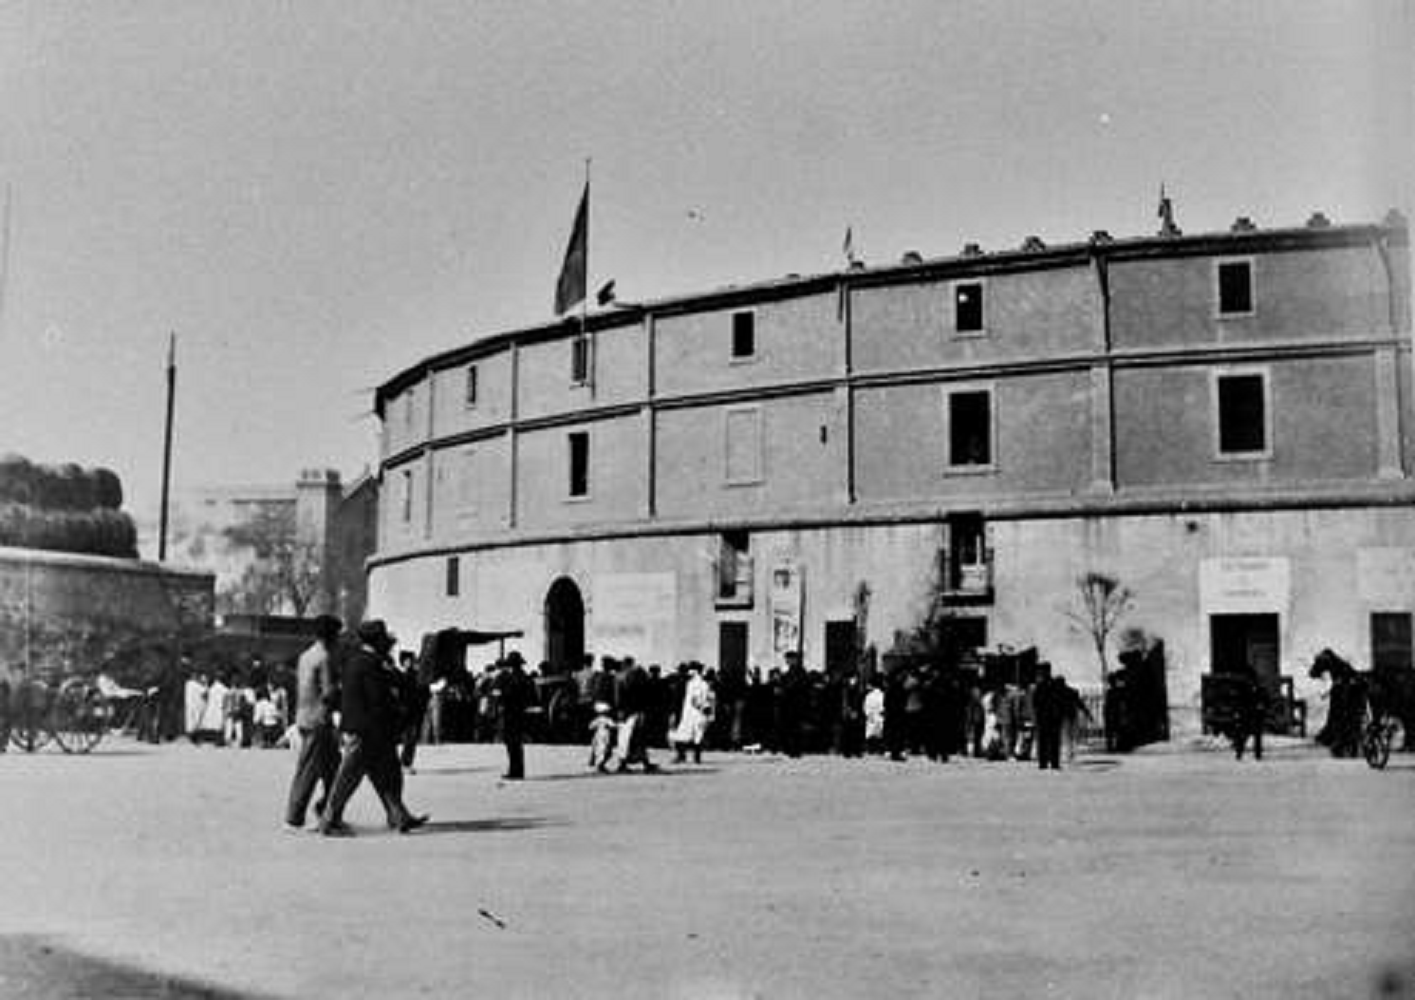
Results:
[212, 725]
[695, 716]
[193, 704]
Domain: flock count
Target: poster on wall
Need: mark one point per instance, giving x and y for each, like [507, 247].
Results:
[1244, 585]
[787, 594]
[633, 614]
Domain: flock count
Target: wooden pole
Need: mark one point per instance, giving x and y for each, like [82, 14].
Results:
[167, 447]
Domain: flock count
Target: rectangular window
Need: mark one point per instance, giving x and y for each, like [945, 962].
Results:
[744, 335]
[470, 397]
[579, 442]
[744, 445]
[454, 576]
[1391, 640]
[467, 485]
[966, 566]
[580, 360]
[1235, 287]
[968, 307]
[407, 478]
[408, 409]
[734, 569]
[970, 429]
[1242, 416]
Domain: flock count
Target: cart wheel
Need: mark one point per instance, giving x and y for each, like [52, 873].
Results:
[80, 716]
[29, 714]
[1375, 744]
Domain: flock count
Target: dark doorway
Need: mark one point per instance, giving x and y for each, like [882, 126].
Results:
[732, 648]
[564, 626]
[960, 635]
[839, 647]
[1238, 642]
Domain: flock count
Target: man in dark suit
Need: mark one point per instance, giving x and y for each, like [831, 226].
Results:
[515, 693]
[369, 721]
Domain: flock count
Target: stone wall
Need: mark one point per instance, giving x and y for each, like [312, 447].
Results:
[62, 613]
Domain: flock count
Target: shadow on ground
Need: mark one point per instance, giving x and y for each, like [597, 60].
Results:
[38, 968]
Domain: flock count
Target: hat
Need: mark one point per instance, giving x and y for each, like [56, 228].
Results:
[375, 633]
[514, 659]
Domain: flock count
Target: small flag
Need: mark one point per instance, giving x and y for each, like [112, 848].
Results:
[848, 247]
[605, 295]
[570, 288]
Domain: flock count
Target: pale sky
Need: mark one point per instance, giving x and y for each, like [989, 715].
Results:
[314, 194]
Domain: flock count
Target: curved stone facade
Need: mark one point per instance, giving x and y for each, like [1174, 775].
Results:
[960, 437]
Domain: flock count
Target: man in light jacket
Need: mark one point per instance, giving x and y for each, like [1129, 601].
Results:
[316, 697]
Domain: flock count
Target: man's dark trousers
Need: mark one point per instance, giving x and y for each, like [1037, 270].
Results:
[515, 752]
[317, 764]
[378, 760]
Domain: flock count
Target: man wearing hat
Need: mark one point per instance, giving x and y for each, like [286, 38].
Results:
[515, 693]
[369, 720]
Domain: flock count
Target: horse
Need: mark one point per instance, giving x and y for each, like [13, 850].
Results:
[1388, 694]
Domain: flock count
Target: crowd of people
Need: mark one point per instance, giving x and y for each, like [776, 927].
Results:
[911, 709]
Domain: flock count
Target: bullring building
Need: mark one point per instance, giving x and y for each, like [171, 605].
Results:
[1222, 423]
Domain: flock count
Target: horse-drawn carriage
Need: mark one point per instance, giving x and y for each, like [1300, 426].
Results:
[71, 711]
[1367, 709]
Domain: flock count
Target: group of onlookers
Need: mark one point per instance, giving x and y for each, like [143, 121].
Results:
[916, 709]
[245, 711]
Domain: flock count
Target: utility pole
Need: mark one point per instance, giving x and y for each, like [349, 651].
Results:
[167, 447]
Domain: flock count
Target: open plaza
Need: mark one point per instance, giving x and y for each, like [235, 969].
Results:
[163, 871]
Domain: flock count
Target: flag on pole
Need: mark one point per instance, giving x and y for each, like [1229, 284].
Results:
[848, 247]
[570, 289]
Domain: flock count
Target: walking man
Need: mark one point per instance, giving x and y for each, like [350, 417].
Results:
[316, 697]
[369, 721]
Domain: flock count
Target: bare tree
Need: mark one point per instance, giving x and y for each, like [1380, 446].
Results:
[288, 571]
[1102, 602]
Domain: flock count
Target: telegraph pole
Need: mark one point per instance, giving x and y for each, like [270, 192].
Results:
[167, 447]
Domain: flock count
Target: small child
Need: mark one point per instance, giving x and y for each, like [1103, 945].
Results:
[602, 728]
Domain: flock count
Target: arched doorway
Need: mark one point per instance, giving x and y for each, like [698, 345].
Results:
[564, 626]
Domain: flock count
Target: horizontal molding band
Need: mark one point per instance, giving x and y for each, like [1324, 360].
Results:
[1134, 503]
[1177, 357]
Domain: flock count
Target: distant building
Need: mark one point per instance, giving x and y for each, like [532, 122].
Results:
[254, 537]
[1222, 422]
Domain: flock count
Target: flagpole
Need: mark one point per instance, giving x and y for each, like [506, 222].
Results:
[585, 302]
[167, 447]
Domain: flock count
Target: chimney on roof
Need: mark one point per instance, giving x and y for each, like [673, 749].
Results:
[1318, 221]
[1166, 215]
[911, 257]
[972, 250]
[1032, 244]
[1242, 224]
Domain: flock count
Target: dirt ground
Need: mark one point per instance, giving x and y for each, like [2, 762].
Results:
[144, 871]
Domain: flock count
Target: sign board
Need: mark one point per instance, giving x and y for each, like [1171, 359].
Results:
[1244, 585]
[1386, 578]
[787, 595]
[634, 614]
